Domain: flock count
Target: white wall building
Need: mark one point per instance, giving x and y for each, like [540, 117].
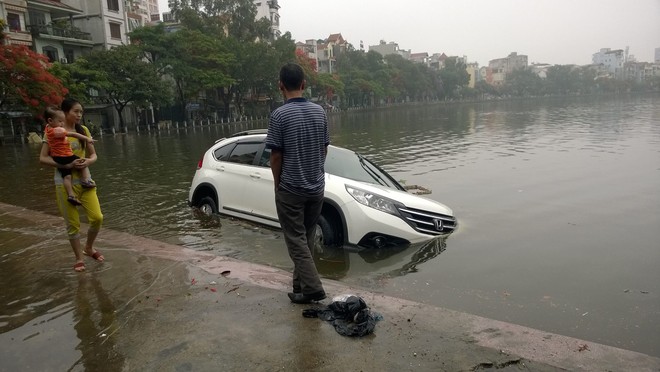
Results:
[611, 59]
[269, 9]
[384, 48]
[105, 20]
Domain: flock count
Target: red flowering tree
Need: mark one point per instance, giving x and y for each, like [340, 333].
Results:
[25, 80]
[308, 65]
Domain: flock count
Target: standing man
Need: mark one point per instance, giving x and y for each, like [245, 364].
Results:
[298, 139]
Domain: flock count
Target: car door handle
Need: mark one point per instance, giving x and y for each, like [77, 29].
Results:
[220, 169]
[255, 176]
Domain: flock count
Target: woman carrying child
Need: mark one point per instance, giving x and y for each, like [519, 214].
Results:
[60, 150]
[86, 196]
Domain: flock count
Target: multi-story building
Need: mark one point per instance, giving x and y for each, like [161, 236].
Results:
[65, 29]
[473, 71]
[437, 61]
[15, 13]
[612, 59]
[141, 12]
[105, 20]
[46, 26]
[657, 55]
[500, 67]
[310, 49]
[269, 9]
[640, 71]
[324, 53]
[384, 48]
[328, 52]
[422, 58]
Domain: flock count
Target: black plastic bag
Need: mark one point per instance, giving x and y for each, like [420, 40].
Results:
[351, 317]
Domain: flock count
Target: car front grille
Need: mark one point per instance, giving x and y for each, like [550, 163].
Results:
[428, 222]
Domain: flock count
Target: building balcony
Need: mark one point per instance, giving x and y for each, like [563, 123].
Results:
[58, 32]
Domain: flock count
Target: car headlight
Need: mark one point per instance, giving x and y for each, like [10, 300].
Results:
[372, 200]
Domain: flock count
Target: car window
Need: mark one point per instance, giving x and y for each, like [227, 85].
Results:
[222, 153]
[264, 160]
[349, 164]
[244, 153]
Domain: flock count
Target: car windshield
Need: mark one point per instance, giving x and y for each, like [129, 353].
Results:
[349, 164]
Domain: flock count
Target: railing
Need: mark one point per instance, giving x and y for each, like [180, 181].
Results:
[37, 30]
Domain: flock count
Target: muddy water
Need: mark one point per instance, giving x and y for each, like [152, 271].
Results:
[557, 201]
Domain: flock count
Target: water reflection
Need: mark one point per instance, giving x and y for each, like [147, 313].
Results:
[95, 325]
[388, 262]
[51, 316]
[547, 192]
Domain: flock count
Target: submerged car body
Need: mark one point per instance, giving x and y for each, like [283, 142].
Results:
[363, 207]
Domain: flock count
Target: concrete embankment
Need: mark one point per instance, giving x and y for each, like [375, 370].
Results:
[158, 306]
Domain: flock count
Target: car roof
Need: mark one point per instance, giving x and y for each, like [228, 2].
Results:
[249, 132]
[252, 132]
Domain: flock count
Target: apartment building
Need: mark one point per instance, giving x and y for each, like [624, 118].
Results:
[384, 48]
[640, 71]
[612, 59]
[140, 13]
[269, 9]
[15, 13]
[46, 26]
[310, 50]
[499, 68]
[63, 30]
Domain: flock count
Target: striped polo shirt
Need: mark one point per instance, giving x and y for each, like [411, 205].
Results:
[299, 129]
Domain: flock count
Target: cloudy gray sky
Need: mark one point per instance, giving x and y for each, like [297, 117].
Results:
[547, 31]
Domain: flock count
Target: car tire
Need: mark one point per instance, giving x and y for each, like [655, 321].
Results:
[207, 206]
[326, 236]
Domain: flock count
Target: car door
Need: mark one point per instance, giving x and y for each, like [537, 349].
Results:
[236, 168]
[261, 190]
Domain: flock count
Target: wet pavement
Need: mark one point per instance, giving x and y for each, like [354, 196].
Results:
[157, 306]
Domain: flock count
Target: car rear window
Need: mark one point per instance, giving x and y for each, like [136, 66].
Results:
[222, 153]
[244, 153]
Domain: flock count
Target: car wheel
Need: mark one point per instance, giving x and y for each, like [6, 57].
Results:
[326, 236]
[327, 250]
[207, 206]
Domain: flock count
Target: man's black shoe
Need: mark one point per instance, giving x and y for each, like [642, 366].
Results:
[299, 298]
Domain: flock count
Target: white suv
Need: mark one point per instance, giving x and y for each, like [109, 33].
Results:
[364, 206]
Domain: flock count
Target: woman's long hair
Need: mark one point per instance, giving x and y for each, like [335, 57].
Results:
[67, 105]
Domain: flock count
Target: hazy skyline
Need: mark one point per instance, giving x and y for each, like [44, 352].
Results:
[547, 31]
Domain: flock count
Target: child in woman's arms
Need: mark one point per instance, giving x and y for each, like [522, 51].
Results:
[60, 150]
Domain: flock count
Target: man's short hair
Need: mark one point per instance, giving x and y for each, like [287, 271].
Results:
[292, 76]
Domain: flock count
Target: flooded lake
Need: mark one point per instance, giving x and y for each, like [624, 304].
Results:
[558, 203]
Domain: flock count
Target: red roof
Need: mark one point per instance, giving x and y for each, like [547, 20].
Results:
[336, 38]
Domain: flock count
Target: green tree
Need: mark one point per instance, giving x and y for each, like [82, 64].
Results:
[193, 60]
[562, 79]
[329, 85]
[67, 74]
[251, 72]
[125, 78]
[523, 82]
[453, 76]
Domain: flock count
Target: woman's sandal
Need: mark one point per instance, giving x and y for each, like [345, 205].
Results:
[73, 200]
[97, 256]
[79, 267]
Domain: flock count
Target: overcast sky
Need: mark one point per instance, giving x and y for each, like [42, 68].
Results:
[547, 31]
